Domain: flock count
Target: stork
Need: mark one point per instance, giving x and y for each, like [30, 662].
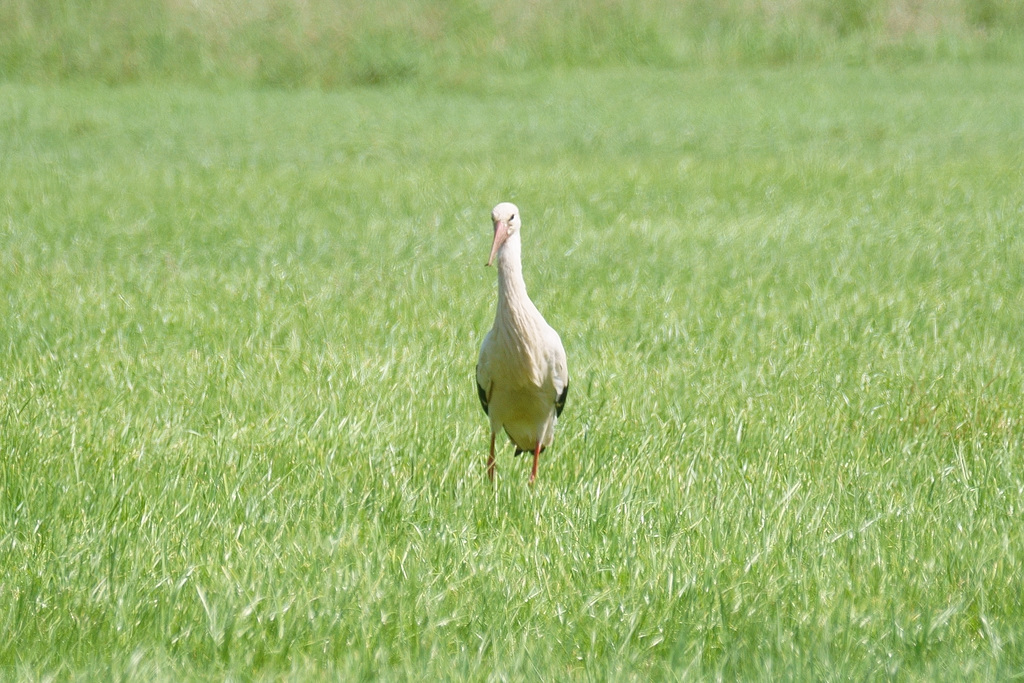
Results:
[522, 376]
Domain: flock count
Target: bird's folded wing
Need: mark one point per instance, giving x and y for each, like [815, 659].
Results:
[483, 375]
[560, 371]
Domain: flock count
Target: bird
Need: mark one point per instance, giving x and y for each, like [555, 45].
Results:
[522, 375]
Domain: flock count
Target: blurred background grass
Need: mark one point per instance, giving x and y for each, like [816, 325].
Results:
[325, 44]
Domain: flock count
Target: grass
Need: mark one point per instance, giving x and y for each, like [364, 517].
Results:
[326, 44]
[240, 434]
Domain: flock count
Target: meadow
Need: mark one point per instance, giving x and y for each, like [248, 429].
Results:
[240, 438]
[330, 44]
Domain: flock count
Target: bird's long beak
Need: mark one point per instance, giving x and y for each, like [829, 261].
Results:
[500, 235]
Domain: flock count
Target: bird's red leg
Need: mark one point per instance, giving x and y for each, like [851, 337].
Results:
[536, 459]
[490, 460]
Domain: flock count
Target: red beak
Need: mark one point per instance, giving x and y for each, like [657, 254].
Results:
[500, 235]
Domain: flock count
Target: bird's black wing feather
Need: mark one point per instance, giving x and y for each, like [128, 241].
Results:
[560, 401]
[483, 397]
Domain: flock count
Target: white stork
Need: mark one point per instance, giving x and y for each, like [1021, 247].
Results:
[522, 376]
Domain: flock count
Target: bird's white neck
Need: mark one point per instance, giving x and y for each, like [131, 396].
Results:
[514, 305]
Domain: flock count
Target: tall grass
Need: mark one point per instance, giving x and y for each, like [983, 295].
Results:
[239, 432]
[328, 44]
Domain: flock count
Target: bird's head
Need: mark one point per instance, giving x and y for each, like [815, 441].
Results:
[506, 223]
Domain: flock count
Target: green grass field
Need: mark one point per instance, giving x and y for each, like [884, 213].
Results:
[240, 436]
